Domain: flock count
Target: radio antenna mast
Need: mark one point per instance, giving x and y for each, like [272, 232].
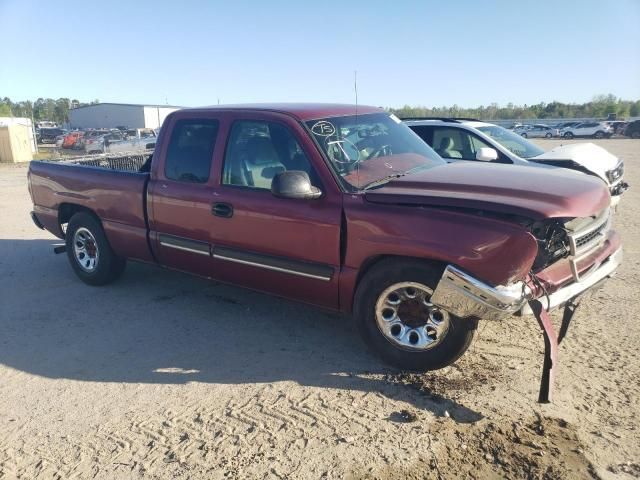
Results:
[355, 89]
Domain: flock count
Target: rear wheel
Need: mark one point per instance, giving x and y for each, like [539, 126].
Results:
[397, 320]
[89, 252]
[548, 135]
[524, 134]
[599, 134]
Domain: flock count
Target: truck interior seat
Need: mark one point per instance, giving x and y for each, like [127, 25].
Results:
[447, 149]
[261, 163]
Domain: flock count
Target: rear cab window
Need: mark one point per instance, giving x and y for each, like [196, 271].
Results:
[190, 150]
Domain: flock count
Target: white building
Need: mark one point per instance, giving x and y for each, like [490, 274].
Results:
[111, 115]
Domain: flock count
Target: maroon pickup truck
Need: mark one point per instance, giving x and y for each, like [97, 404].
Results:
[342, 207]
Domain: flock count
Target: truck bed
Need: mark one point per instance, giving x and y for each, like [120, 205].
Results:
[113, 187]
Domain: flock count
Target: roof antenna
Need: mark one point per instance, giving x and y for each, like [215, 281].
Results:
[355, 89]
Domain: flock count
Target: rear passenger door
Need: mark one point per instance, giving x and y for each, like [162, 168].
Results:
[181, 193]
[288, 247]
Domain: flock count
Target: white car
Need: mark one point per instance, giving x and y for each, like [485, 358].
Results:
[470, 140]
[588, 129]
[539, 131]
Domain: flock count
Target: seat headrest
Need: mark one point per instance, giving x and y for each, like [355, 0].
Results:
[260, 151]
[446, 143]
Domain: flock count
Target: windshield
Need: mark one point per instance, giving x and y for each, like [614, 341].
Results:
[512, 141]
[365, 149]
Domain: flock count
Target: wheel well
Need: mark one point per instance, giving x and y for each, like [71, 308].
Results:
[68, 210]
[374, 261]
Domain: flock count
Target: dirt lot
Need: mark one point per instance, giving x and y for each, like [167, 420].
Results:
[162, 375]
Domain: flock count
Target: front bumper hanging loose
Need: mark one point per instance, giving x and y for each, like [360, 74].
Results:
[551, 343]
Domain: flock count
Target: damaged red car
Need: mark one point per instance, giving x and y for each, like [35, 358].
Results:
[342, 207]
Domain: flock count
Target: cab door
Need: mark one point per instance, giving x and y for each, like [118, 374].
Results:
[180, 193]
[287, 247]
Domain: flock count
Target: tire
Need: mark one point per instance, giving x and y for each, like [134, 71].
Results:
[568, 135]
[451, 341]
[524, 135]
[599, 134]
[548, 135]
[107, 267]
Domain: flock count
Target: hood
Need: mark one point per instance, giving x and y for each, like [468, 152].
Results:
[588, 155]
[535, 193]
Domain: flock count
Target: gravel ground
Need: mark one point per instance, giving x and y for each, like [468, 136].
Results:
[162, 375]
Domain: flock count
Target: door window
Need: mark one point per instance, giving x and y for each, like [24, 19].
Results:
[450, 143]
[257, 151]
[476, 144]
[191, 150]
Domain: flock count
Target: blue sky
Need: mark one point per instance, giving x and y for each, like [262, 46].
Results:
[406, 52]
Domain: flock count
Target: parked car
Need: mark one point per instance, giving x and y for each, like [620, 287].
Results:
[135, 141]
[100, 143]
[587, 129]
[91, 135]
[48, 135]
[632, 129]
[562, 125]
[341, 207]
[72, 139]
[616, 126]
[467, 140]
[540, 131]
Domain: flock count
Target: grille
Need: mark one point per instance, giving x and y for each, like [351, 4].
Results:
[589, 237]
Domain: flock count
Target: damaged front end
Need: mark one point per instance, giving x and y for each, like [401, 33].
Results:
[574, 256]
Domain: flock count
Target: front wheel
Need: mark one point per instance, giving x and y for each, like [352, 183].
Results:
[599, 134]
[568, 135]
[548, 135]
[397, 320]
[89, 252]
[524, 135]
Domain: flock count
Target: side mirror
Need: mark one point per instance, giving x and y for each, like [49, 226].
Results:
[294, 184]
[486, 154]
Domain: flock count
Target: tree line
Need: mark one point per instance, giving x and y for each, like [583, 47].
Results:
[42, 109]
[599, 107]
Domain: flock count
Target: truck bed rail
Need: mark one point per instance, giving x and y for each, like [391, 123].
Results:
[125, 162]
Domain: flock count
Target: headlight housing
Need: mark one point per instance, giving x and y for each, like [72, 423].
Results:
[616, 174]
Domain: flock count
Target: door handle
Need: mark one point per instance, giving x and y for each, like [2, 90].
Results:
[222, 210]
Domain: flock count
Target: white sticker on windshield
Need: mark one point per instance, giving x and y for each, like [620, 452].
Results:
[395, 119]
[323, 128]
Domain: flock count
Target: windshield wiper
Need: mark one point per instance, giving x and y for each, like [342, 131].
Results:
[388, 178]
[383, 180]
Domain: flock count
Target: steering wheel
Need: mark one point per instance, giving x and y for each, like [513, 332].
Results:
[343, 152]
[382, 151]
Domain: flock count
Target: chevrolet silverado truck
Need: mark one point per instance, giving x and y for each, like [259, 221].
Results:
[342, 207]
